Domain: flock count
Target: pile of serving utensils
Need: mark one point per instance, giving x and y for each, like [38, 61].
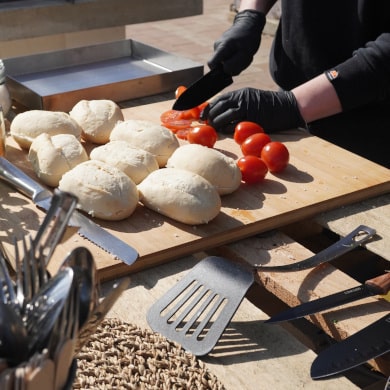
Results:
[46, 319]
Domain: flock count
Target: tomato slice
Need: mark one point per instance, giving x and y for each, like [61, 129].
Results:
[183, 133]
[172, 119]
[192, 113]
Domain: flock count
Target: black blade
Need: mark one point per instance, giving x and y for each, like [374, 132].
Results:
[321, 304]
[367, 344]
[203, 89]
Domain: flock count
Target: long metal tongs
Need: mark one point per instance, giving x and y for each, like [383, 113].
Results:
[357, 237]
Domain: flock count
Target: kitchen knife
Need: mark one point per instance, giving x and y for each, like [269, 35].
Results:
[87, 228]
[203, 89]
[369, 343]
[357, 237]
[376, 286]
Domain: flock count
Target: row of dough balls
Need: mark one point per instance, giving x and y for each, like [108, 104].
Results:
[126, 167]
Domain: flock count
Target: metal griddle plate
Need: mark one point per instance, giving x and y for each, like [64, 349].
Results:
[119, 71]
[196, 311]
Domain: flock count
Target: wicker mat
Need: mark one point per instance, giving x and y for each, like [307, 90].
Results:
[123, 356]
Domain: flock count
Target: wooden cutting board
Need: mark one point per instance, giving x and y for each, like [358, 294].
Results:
[320, 177]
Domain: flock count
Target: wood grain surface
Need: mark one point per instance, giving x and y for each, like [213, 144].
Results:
[320, 177]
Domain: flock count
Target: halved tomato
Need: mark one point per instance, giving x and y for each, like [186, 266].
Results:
[183, 133]
[172, 119]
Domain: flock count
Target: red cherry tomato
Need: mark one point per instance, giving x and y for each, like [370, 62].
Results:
[244, 129]
[179, 90]
[253, 169]
[204, 135]
[254, 144]
[276, 155]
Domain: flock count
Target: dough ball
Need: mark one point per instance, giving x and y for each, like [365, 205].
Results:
[136, 163]
[52, 156]
[26, 126]
[219, 169]
[181, 195]
[96, 118]
[103, 191]
[146, 135]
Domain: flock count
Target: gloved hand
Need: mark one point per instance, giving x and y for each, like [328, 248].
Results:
[272, 110]
[237, 46]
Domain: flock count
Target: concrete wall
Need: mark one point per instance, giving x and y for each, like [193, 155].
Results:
[34, 26]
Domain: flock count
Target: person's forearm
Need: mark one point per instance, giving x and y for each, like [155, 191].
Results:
[317, 99]
[258, 5]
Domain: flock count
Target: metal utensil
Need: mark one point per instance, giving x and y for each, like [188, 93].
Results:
[196, 311]
[45, 307]
[82, 262]
[53, 227]
[7, 289]
[187, 308]
[203, 89]
[357, 237]
[42, 198]
[369, 343]
[13, 335]
[375, 286]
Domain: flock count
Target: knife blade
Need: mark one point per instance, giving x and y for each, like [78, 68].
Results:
[203, 89]
[86, 228]
[375, 286]
[369, 343]
[352, 240]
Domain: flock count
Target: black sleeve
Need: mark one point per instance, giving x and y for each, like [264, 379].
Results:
[365, 77]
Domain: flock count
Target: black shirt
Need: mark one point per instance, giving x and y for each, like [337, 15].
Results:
[351, 38]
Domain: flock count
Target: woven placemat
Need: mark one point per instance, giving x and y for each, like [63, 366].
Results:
[123, 356]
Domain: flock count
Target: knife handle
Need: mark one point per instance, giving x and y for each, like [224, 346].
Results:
[19, 180]
[379, 285]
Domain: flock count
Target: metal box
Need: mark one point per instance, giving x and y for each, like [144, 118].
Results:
[119, 71]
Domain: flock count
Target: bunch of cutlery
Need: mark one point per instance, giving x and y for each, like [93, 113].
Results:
[46, 319]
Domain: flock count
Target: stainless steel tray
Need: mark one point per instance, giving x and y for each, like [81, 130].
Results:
[119, 71]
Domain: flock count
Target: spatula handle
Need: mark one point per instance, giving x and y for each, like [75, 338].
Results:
[380, 285]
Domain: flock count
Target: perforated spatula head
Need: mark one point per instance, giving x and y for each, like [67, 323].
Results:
[196, 311]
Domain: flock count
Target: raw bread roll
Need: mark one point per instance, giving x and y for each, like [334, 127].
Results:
[181, 195]
[146, 135]
[103, 191]
[52, 156]
[26, 126]
[136, 163]
[97, 118]
[219, 169]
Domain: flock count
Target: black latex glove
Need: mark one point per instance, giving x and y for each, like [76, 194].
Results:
[272, 110]
[237, 46]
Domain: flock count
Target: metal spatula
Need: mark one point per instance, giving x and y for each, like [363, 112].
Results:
[196, 311]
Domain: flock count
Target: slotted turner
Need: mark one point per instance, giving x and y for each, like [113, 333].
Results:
[196, 311]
